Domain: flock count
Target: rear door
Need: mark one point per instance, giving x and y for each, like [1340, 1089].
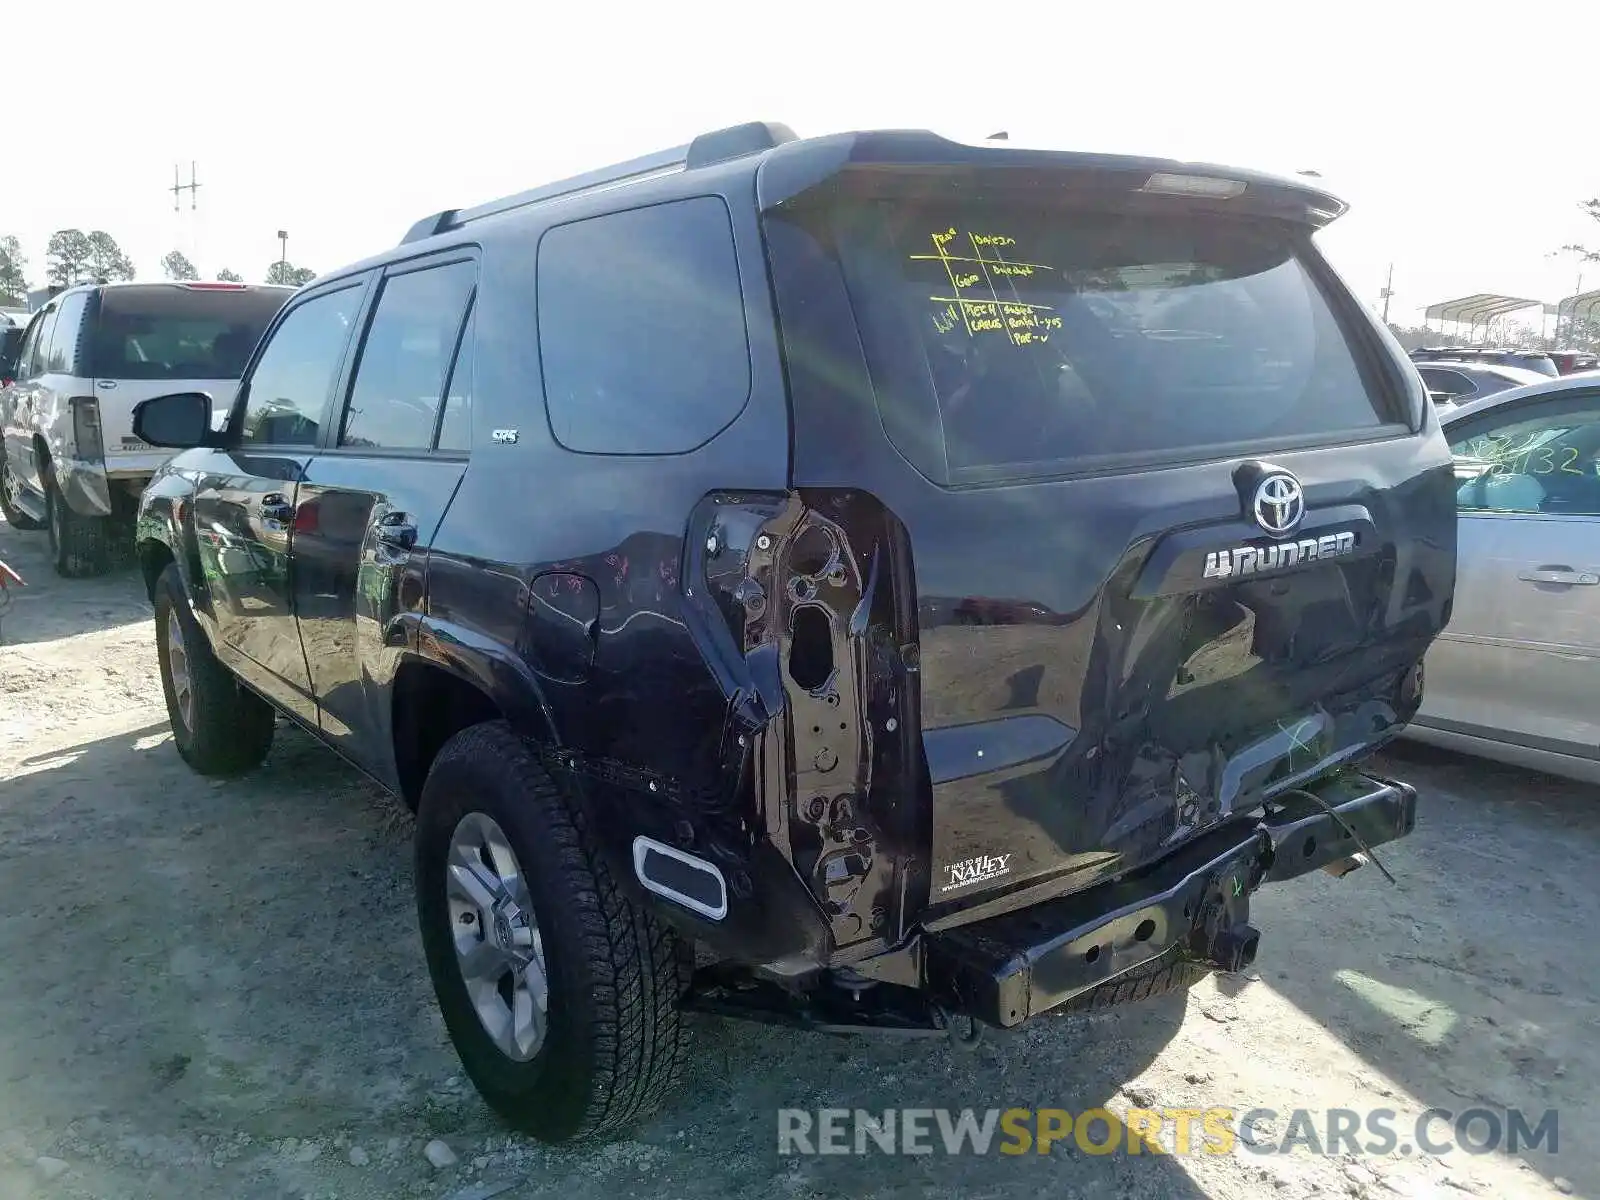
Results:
[370, 500]
[1177, 519]
[1519, 661]
[246, 495]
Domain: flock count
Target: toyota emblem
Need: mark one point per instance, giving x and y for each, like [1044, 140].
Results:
[1279, 504]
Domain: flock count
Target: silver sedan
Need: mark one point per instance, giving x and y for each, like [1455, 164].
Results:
[1516, 675]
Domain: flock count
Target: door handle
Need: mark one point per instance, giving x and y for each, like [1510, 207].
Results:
[397, 530]
[275, 508]
[1560, 575]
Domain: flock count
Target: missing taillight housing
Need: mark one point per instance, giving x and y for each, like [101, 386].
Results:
[86, 427]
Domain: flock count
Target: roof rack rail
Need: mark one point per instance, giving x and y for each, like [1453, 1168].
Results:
[718, 146]
[428, 226]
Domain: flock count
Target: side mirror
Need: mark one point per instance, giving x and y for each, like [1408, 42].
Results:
[179, 420]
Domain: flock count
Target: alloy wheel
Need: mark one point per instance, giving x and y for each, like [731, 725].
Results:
[496, 937]
[178, 668]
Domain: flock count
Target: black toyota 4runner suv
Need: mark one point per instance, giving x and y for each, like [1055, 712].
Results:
[871, 582]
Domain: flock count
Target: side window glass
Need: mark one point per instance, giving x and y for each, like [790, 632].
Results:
[455, 422]
[30, 339]
[641, 329]
[39, 355]
[394, 404]
[63, 353]
[296, 371]
[1532, 464]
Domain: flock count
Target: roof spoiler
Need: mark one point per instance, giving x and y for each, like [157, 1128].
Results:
[718, 146]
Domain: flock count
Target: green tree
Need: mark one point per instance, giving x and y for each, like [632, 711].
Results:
[67, 256]
[177, 266]
[13, 274]
[106, 259]
[227, 276]
[1592, 209]
[288, 273]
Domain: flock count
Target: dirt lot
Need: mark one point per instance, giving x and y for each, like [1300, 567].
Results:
[218, 990]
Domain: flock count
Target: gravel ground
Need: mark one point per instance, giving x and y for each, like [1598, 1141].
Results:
[218, 990]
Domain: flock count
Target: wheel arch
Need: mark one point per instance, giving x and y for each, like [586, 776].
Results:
[163, 535]
[451, 684]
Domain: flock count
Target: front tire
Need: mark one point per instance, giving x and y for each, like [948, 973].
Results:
[14, 516]
[77, 542]
[559, 993]
[219, 726]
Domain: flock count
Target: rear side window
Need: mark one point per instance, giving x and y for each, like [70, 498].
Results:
[170, 332]
[394, 404]
[641, 329]
[1049, 334]
[1450, 384]
[38, 352]
[455, 422]
[62, 356]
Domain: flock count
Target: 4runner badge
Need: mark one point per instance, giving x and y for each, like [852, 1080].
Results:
[977, 870]
[1250, 560]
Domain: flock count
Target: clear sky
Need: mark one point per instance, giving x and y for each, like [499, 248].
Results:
[344, 121]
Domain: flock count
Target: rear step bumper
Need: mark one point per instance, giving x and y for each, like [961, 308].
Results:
[1194, 903]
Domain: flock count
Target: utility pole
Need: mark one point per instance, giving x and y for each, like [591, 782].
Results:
[192, 187]
[1388, 290]
[283, 254]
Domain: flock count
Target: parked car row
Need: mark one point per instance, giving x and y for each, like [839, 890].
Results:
[1542, 362]
[70, 462]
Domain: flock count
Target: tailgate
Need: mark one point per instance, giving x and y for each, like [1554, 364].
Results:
[1172, 523]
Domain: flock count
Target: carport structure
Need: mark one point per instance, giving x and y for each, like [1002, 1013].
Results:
[1478, 312]
[1585, 307]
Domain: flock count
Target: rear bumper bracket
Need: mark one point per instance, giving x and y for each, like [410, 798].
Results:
[1006, 969]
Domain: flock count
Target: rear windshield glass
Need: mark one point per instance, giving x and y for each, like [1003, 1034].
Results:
[1052, 334]
[179, 333]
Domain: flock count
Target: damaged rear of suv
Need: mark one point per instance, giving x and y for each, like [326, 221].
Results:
[882, 584]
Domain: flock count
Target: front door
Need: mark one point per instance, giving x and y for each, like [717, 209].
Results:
[246, 498]
[372, 497]
[1520, 657]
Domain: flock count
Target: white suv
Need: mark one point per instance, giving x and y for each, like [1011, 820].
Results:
[70, 461]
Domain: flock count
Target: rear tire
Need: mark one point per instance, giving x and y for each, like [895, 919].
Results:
[221, 728]
[610, 1042]
[77, 542]
[14, 516]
